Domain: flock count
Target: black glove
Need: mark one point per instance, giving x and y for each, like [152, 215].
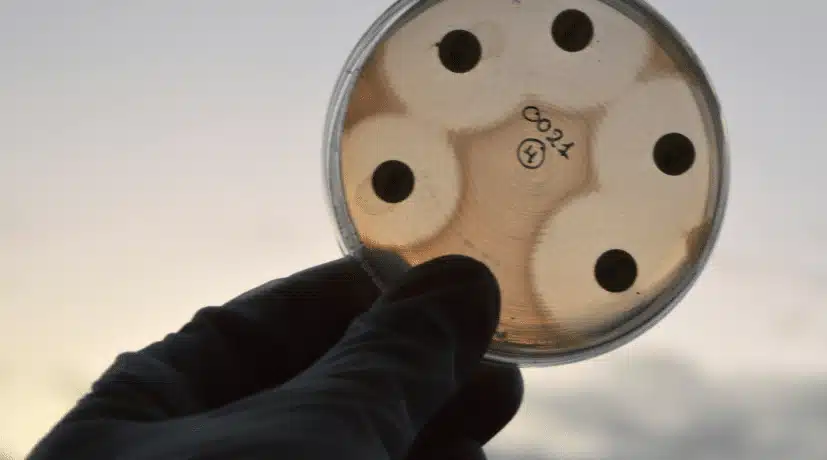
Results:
[317, 366]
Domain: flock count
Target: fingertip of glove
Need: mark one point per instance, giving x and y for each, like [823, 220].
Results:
[449, 274]
[457, 288]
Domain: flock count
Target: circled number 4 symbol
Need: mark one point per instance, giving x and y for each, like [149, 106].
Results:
[531, 153]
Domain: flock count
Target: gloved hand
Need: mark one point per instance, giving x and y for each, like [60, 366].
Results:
[317, 366]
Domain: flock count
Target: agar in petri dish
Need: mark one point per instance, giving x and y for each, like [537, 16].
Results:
[575, 147]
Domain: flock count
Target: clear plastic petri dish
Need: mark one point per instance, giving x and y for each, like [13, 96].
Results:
[576, 147]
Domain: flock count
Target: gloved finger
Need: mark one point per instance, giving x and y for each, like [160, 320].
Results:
[395, 367]
[254, 342]
[290, 323]
[459, 449]
[480, 410]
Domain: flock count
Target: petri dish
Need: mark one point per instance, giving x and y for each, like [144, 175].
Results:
[576, 147]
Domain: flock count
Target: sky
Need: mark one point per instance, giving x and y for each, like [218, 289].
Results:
[163, 155]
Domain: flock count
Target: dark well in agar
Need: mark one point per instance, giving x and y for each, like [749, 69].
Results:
[572, 30]
[615, 270]
[674, 154]
[460, 51]
[393, 181]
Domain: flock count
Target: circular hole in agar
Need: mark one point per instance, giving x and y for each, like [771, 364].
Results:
[674, 154]
[393, 181]
[572, 30]
[615, 270]
[460, 51]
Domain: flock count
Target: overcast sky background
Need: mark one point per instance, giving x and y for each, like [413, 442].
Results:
[157, 156]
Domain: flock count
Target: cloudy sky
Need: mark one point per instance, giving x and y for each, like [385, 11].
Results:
[161, 155]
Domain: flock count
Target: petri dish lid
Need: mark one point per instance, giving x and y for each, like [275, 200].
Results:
[574, 146]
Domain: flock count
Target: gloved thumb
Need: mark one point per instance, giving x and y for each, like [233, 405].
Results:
[399, 362]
